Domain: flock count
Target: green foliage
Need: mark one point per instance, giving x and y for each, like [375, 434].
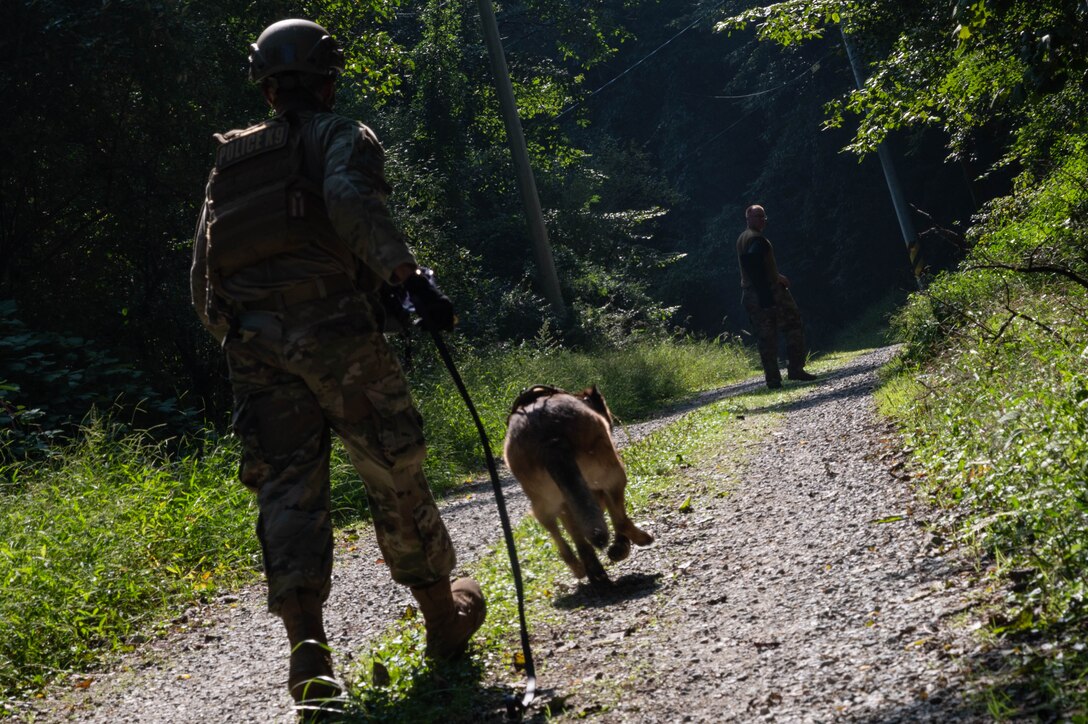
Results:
[792, 21]
[636, 380]
[1027, 250]
[49, 382]
[998, 418]
[962, 66]
[455, 187]
[375, 63]
[104, 540]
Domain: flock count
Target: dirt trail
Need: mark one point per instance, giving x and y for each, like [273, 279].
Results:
[802, 595]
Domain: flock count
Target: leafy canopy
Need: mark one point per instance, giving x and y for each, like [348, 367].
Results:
[964, 66]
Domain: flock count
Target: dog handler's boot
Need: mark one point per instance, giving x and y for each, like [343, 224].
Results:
[310, 679]
[451, 614]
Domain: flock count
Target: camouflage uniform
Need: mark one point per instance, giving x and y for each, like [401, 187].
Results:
[772, 311]
[306, 355]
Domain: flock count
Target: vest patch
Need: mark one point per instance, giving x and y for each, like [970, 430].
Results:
[250, 143]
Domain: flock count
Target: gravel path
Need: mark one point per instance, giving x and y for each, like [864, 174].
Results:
[784, 600]
[811, 592]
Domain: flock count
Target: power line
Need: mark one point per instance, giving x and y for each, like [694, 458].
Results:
[640, 61]
[811, 69]
[711, 140]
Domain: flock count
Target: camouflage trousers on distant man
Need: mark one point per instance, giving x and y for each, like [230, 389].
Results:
[298, 373]
[784, 316]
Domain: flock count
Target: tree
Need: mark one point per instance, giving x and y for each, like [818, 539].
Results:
[103, 167]
[963, 66]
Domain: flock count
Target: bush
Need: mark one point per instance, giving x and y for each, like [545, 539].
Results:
[50, 382]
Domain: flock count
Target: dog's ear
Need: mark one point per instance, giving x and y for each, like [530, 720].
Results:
[593, 398]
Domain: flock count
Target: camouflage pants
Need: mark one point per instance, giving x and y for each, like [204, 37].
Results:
[296, 375]
[768, 321]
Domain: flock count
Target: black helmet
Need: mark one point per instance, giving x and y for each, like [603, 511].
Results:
[294, 46]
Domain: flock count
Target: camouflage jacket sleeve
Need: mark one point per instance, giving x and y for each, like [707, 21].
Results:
[355, 194]
[198, 275]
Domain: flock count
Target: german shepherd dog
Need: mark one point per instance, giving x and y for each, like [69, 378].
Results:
[559, 447]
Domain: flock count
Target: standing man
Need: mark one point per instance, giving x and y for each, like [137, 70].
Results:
[766, 295]
[292, 245]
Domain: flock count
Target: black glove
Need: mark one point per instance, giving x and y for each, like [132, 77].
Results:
[434, 308]
[396, 316]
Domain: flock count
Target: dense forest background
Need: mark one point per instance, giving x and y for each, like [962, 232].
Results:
[649, 131]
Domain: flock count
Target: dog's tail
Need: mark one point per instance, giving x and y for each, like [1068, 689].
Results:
[559, 461]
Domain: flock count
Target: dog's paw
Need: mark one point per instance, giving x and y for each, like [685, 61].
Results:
[639, 536]
[620, 549]
[577, 568]
[598, 578]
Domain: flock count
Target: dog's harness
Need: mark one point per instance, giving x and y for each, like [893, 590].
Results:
[531, 394]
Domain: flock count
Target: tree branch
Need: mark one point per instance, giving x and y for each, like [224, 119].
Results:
[1033, 268]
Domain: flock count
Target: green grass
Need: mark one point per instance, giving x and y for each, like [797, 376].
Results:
[113, 534]
[98, 543]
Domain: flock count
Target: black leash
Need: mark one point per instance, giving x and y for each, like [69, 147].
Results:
[514, 708]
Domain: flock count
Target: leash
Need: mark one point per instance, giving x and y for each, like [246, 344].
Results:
[514, 708]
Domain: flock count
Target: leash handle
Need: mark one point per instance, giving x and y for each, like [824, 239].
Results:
[514, 708]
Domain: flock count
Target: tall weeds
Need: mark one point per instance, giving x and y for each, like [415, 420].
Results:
[97, 541]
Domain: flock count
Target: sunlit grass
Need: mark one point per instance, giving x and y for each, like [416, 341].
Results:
[636, 381]
[100, 541]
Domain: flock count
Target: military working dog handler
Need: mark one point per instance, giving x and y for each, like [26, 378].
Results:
[293, 243]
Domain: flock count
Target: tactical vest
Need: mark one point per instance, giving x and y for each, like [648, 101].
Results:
[263, 203]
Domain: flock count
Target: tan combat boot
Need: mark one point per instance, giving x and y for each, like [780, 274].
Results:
[310, 679]
[451, 615]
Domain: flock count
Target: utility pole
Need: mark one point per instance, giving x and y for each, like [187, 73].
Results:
[547, 276]
[902, 213]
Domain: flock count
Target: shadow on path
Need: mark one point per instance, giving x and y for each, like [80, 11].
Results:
[630, 587]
